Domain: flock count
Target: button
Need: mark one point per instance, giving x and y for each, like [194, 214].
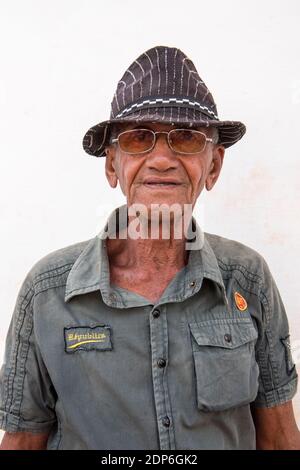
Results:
[166, 421]
[192, 284]
[156, 313]
[161, 362]
[227, 338]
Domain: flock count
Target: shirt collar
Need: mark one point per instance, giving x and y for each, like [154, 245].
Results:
[90, 271]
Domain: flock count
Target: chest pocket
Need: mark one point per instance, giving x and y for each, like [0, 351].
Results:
[225, 367]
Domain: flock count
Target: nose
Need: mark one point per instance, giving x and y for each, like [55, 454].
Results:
[161, 157]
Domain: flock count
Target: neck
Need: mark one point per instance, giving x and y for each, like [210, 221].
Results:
[160, 256]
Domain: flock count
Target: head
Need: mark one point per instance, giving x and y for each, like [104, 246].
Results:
[161, 90]
[191, 172]
[162, 85]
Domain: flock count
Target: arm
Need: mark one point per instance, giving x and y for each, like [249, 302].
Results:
[24, 441]
[27, 394]
[272, 408]
[276, 428]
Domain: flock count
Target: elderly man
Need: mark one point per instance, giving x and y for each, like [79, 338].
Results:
[137, 340]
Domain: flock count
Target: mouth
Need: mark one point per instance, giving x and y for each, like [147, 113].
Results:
[161, 185]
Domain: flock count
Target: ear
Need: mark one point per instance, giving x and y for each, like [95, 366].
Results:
[215, 166]
[110, 169]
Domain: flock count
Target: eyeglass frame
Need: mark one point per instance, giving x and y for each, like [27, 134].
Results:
[207, 139]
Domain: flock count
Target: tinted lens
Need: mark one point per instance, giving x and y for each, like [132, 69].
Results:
[136, 140]
[187, 141]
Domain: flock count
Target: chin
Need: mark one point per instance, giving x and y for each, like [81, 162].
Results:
[148, 207]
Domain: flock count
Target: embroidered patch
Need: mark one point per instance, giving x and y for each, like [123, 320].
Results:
[288, 354]
[87, 338]
[240, 301]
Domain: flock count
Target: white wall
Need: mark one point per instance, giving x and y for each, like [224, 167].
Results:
[60, 63]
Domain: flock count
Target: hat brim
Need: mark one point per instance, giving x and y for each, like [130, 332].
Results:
[97, 137]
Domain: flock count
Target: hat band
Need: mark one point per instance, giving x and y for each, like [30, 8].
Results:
[167, 102]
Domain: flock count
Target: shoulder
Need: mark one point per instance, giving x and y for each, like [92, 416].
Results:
[236, 258]
[53, 266]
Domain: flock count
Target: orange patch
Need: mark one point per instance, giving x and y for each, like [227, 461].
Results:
[240, 301]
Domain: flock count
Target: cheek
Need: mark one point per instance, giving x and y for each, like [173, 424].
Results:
[127, 172]
[120, 171]
[196, 171]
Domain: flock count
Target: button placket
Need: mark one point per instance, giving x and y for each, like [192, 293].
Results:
[159, 351]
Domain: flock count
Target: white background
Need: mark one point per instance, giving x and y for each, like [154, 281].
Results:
[60, 63]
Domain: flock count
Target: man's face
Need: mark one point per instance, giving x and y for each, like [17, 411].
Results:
[191, 172]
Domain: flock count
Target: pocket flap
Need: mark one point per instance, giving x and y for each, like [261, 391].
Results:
[225, 334]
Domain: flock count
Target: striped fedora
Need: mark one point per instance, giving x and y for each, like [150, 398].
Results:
[162, 85]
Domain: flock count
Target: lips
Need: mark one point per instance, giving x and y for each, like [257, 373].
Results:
[161, 182]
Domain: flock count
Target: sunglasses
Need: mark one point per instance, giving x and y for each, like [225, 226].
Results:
[183, 141]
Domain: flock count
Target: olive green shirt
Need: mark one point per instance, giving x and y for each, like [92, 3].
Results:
[101, 367]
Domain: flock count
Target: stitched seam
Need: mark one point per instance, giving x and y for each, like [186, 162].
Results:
[246, 289]
[279, 394]
[53, 286]
[274, 370]
[55, 281]
[242, 269]
[58, 283]
[24, 421]
[42, 277]
[20, 322]
[21, 348]
[27, 352]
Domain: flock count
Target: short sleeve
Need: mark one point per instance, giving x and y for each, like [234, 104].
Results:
[278, 375]
[27, 396]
